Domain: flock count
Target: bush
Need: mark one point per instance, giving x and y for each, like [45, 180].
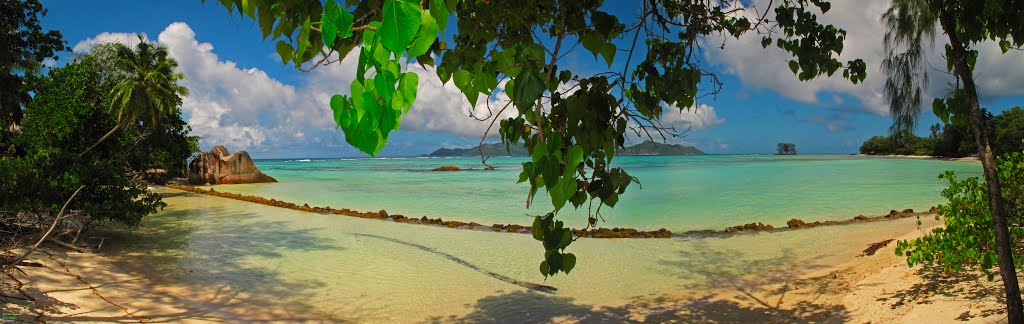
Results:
[1008, 132]
[967, 240]
[876, 145]
[66, 115]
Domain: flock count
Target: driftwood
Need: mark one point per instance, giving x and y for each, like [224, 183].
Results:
[874, 247]
[45, 235]
[69, 245]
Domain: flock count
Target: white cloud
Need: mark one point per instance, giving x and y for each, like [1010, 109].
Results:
[998, 74]
[695, 118]
[129, 39]
[246, 109]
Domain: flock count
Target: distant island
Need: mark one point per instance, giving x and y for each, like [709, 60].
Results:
[648, 147]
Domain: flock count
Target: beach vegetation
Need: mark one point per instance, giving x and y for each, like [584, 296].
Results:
[1006, 130]
[24, 46]
[572, 122]
[966, 241]
[967, 24]
[68, 112]
[145, 84]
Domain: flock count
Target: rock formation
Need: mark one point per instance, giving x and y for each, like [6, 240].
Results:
[220, 167]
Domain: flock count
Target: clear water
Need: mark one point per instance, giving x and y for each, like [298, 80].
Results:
[340, 268]
[679, 193]
[336, 268]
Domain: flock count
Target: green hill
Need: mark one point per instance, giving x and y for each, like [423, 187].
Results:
[497, 149]
[650, 147]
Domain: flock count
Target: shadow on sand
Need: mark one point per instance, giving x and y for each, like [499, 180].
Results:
[205, 249]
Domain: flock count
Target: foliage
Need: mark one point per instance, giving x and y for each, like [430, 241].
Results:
[786, 149]
[954, 140]
[146, 85]
[572, 125]
[877, 145]
[1008, 131]
[23, 47]
[966, 24]
[67, 112]
[1011, 173]
[967, 240]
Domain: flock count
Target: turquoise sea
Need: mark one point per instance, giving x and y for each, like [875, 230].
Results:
[679, 193]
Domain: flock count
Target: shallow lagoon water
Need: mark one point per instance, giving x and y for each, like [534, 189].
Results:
[350, 269]
[680, 193]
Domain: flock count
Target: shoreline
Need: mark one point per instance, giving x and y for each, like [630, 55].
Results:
[926, 157]
[602, 233]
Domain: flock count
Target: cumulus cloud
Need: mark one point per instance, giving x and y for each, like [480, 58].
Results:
[245, 108]
[699, 117]
[130, 39]
[998, 74]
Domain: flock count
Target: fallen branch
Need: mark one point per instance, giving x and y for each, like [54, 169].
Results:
[45, 235]
[874, 247]
[69, 245]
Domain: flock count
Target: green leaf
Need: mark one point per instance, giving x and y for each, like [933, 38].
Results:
[608, 52]
[544, 268]
[328, 27]
[592, 42]
[765, 41]
[439, 10]
[566, 238]
[529, 87]
[338, 104]
[384, 83]
[407, 86]
[568, 262]
[335, 20]
[574, 159]
[563, 190]
[285, 51]
[538, 229]
[425, 37]
[399, 25]
[464, 81]
[540, 150]
[302, 42]
[794, 66]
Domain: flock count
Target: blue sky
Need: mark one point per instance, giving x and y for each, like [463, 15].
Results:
[243, 97]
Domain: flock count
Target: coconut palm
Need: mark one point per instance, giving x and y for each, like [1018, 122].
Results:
[149, 89]
[910, 23]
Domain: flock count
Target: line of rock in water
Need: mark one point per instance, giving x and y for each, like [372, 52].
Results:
[383, 215]
[797, 223]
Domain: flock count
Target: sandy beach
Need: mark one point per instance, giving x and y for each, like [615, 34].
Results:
[843, 287]
[960, 159]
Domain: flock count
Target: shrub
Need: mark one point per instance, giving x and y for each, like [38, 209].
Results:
[967, 240]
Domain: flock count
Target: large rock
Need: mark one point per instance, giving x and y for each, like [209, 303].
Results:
[220, 167]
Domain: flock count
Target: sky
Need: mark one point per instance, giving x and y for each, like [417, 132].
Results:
[243, 97]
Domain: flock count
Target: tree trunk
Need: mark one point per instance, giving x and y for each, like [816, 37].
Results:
[1007, 270]
[111, 132]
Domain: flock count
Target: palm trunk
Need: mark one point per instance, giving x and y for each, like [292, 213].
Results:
[1014, 309]
[111, 132]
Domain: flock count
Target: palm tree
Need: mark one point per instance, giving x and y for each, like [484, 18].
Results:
[149, 88]
[909, 24]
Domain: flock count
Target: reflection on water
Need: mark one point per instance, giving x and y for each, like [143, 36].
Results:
[354, 269]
